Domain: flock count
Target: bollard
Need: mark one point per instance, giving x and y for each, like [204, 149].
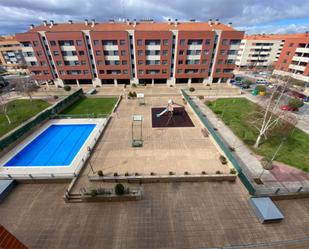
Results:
[277, 191]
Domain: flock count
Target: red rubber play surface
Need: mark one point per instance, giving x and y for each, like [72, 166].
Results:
[180, 118]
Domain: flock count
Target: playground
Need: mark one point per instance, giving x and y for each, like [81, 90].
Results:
[155, 135]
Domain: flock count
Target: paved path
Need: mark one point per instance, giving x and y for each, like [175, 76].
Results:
[249, 162]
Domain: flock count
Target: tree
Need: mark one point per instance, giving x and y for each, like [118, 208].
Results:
[25, 85]
[267, 117]
[67, 88]
[296, 103]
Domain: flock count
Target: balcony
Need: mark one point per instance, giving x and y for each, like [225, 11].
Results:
[193, 57]
[153, 47]
[302, 50]
[297, 67]
[68, 48]
[110, 47]
[153, 57]
[194, 47]
[301, 59]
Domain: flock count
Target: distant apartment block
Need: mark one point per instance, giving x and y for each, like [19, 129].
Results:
[131, 52]
[288, 53]
[10, 53]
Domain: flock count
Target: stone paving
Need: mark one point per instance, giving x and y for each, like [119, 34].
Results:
[249, 161]
[171, 215]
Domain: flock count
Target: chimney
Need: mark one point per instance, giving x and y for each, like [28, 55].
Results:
[192, 20]
[217, 21]
[51, 24]
[86, 22]
[70, 21]
[45, 23]
[111, 21]
[128, 21]
[210, 21]
[92, 23]
[31, 26]
[169, 21]
[229, 24]
[176, 22]
[134, 22]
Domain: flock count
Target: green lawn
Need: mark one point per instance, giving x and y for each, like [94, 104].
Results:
[92, 106]
[19, 111]
[234, 112]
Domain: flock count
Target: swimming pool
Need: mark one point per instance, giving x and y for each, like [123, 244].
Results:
[55, 146]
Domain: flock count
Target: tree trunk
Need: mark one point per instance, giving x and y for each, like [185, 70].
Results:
[8, 118]
[257, 142]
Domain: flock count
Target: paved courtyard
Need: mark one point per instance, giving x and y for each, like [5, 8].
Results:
[164, 149]
[171, 215]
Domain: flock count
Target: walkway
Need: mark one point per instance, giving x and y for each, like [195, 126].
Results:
[249, 161]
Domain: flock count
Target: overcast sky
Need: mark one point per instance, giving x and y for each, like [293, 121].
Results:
[253, 16]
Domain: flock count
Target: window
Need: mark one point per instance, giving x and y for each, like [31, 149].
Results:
[203, 70]
[284, 61]
[59, 63]
[109, 42]
[139, 42]
[123, 52]
[204, 61]
[228, 70]
[207, 42]
[288, 53]
[179, 71]
[83, 62]
[62, 72]
[180, 62]
[101, 71]
[165, 42]
[195, 42]
[55, 53]
[122, 42]
[124, 62]
[78, 42]
[39, 53]
[164, 71]
[97, 52]
[291, 45]
[43, 63]
[140, 71]
[81, 52]
[52, 43]
[218, 70]
[222, 51]
[164, 62]
[86, 72]
[182, 42]
[164, 52]
[181, 52]
[140, 52]
[206, 52]
[140, 62]
[96, 42]
[35, 44]
[100, 62]
[125, 71]
[225, 42]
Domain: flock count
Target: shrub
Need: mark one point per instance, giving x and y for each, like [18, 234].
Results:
[233, 171]
[296, 103]
[207, 84]
[217, 112]
[191, 89]
[134, 85]
[115, 174]
[134, 95]
[201, 97]
[127, 174]
[119, 189]
[218, 172]
[171, 173]
[56, 97]
[260, 88]
[208, 103]
[204, 173]
[231, 148]
[93, 193]
[222, 159]
[100, 173]
[152, 173]
[187, 173]
[67, 88]
[137, 174]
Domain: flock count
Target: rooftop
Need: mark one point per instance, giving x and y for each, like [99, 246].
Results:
[140, 26]
[275, 36]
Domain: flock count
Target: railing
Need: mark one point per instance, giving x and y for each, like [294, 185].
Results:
[220, 143]
[87, 116]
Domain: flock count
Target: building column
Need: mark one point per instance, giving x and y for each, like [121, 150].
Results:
[77, 82]
[189, 82]
[219, 81]
[152, 82]
[47, 85]
[96, 82]
[115, 82]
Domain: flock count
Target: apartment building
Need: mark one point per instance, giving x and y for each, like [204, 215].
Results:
[131, 52]
[294, 58]
[10, 53]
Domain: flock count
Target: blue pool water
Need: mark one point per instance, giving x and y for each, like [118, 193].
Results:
[56, 146]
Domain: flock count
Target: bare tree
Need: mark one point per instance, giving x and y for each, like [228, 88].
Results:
[25, 85]
[266, 118]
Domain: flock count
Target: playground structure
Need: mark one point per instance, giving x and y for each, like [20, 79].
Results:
[137, 131]
[172, 109]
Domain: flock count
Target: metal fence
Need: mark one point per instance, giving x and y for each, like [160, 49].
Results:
[49, 112]
[220, 142]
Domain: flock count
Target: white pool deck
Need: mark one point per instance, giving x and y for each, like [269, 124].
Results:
[46, 172]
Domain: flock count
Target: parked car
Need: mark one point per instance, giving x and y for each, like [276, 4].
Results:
[245, 86]
[288, 108]
[297, 94]
[261, 82]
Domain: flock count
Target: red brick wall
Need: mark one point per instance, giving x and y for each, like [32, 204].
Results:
[9, 241]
